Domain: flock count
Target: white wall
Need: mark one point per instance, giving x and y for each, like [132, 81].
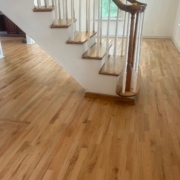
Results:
[160, 17]
[176, 32]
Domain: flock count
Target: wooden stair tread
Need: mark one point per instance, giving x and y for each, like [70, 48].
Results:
[84, 37]
[61, 24]
[129, 93]
[94, 50]
[114, 66]
[43, 9]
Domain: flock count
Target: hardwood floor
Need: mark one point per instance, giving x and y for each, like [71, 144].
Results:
[49, 131]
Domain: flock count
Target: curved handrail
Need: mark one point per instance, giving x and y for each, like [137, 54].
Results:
[135, 7]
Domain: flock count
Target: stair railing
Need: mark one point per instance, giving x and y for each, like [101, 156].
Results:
[132, 31]
[135, 13]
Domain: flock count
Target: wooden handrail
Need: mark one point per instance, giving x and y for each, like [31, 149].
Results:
[134, 8]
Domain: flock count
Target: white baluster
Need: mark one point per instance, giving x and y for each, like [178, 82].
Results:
[59, 9]
[94, 14]
[86, 15]
[47, 3]
[98, 29]
[1, 51]
[142, 25]
[124, 27]
[136, 50]
[39, 3]
[64, 11]
[74, 11]
[89, 27]
[107, 40]
[53, 4]
[116, 33]
[139, 51]
[72, 18]
[35, 4]
[56, 11]
[126, 55]
[101, 22]
[80, 10]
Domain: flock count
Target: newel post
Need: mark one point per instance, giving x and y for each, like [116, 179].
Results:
[130, 53]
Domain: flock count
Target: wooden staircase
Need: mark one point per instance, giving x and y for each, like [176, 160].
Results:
[124, 64]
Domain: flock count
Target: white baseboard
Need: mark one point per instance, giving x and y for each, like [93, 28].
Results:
[157, 37]
[144, 37]
[177, 46]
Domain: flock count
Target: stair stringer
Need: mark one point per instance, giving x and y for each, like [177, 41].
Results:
[53, 41]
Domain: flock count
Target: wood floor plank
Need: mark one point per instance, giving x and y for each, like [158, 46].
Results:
[49, 131]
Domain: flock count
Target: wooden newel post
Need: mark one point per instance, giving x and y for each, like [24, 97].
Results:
[130, 54]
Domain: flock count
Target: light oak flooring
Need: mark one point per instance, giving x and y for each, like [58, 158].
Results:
[49, 131]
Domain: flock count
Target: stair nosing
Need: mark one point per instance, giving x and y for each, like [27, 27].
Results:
[80, 42]
[43, 9]
[61, 26]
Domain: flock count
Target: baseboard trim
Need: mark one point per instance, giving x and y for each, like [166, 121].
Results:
[157, 37]
[176, 44]
[111, 97]
[145, 37]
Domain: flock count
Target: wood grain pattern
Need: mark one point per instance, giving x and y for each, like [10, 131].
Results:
[115, 66]
[49, 131]
[94, 53]
[110, 97]
[84, 37]
[61, 24]
[43, 9]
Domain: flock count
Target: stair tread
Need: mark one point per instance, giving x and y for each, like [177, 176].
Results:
[94, 52]
[114, 66]
[43, 9]
[84, 37]
[61, 24]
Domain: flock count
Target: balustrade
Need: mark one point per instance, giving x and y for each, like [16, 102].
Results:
[131, 28]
